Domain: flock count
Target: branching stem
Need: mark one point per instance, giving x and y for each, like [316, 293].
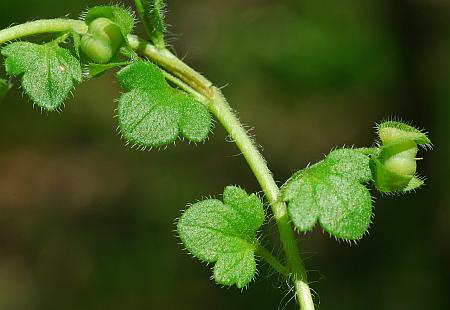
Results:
[223, 112]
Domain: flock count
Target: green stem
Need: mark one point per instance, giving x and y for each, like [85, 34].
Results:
[172, 64]
[161, 56]
[145, 17]
[271, 260]
[159, 28]
[182, 85]
[42, 26]
[223, 112]
[220, 108]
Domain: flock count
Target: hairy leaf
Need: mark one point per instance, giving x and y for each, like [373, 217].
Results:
[49, 71]
[331, 193]
[153, 114]
[225, 233]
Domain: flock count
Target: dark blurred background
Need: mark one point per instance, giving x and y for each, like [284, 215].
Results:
[87, 223]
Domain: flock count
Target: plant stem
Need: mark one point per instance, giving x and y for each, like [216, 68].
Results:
[223, 112]
[182, 85]
[173, 64]
[144, 14]
[220, 108]
[271, 260]
[42, 26]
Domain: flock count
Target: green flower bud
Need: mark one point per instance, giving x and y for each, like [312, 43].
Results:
[102, 41]
[395, 164]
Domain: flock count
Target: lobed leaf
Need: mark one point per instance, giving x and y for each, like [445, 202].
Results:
[49, 71]
[154, 114]
[331, 193]
[225, 233]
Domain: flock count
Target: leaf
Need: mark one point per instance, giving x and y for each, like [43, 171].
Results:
[225, 233]
[122, 17]
[5, 86]
[49, 71]
[154, 114]
[331, 193]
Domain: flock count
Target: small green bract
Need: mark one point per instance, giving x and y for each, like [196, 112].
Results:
[49, 71]
[331, 192]
[153, 114]
[225, 233]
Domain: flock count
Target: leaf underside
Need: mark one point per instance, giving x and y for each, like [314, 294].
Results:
[225, 233]
[153, 114]
[49, 71]
[331, 193]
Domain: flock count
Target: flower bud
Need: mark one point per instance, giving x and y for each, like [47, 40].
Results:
[394, 166]
[102, 41]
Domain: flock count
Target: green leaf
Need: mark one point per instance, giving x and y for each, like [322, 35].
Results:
[49, 71]
[122, 17]
[5, 86]
[225, 233]
[331, 193]
[154, 114]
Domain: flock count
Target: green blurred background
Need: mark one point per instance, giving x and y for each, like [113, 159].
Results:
[87, 223]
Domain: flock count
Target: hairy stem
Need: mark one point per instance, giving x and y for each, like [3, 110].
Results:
[223, 112]
[182, 85]
[220, 108]
[271, 260]
[42, 26]
[145, 17]
[173, 64]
